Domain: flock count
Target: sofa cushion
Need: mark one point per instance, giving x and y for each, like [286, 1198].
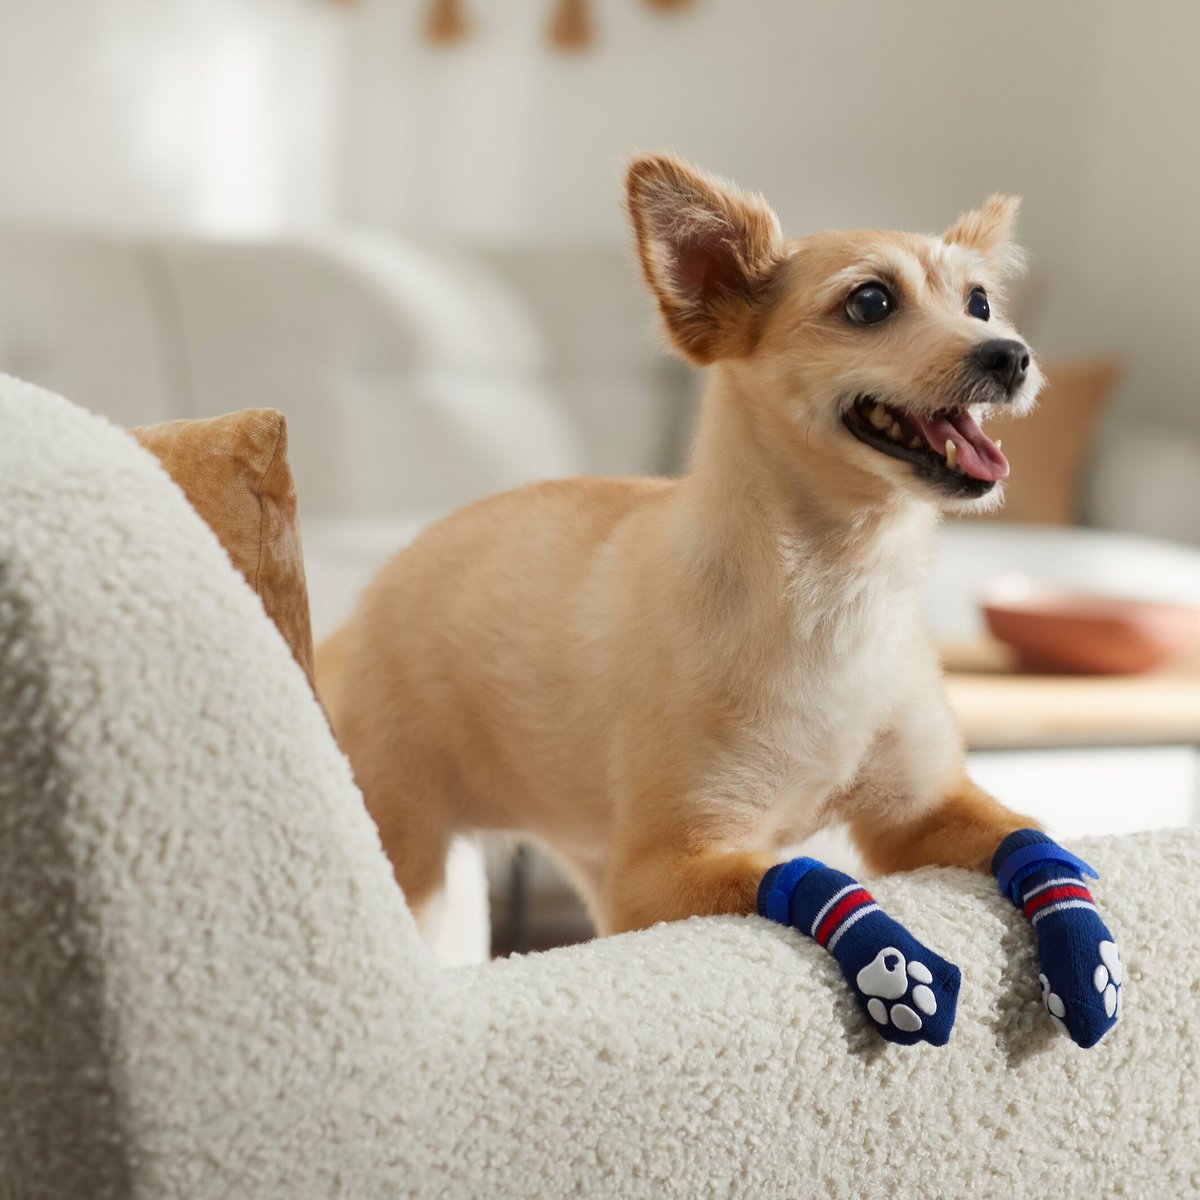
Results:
[234, 471]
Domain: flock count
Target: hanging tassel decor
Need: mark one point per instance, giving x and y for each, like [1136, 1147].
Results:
[446, 22]
[571, 25]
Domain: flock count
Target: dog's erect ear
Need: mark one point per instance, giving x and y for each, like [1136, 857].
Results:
[707, 251]
[989, 230]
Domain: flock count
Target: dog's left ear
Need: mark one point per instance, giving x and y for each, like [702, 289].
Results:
[707, 252]
[989, 230]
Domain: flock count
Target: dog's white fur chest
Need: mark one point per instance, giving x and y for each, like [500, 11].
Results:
[835, 685]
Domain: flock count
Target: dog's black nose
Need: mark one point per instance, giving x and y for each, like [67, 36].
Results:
[1004, 360]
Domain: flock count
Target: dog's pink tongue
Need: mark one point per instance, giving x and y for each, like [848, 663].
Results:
[978, 455]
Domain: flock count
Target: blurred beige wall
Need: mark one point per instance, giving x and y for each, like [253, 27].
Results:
[845, 115]
[259, 115]
[216, 115]
[1135, 273]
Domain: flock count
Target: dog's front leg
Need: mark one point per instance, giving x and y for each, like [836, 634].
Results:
[909, 991]
[1081, 970]
[664, 883]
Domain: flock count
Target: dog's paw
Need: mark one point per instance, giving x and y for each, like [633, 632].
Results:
[1106, 982]
[897, 991]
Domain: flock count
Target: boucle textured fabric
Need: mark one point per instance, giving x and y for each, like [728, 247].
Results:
[234, 471]
[211, 986]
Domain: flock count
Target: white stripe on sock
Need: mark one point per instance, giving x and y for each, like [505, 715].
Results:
[857, 915]
[1071, 880]
[1059, 906]
[850, 887]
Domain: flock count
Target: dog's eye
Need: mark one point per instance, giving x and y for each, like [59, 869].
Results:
[977, 304]
[870, 304]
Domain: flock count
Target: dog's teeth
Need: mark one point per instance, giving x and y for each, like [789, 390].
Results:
[878, 416]
[999, 443]
[895, 433]
[916, 444]
[951, 454]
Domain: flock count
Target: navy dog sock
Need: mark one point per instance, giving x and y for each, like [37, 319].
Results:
[909, 992]
[1081, 970]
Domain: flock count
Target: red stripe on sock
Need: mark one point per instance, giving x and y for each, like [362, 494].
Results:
[840, 912]
[1070, 892]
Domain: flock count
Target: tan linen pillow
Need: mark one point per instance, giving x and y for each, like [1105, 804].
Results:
[234, 472]
[1049, 448]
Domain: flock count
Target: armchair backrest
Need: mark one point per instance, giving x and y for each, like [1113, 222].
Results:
[185, 863]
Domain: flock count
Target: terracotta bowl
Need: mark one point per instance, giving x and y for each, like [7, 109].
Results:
[1057, 629]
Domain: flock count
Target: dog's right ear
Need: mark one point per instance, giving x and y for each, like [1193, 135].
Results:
[707, 252]
[990, 230]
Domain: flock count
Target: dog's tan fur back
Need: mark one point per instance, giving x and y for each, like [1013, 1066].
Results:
[668, 681]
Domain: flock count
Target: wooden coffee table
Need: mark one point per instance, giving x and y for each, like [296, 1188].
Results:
[999, 706]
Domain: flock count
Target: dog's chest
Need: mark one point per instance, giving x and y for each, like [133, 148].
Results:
[839, 696]
[835, 688]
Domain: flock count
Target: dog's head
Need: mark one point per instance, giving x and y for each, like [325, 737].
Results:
[873, 356]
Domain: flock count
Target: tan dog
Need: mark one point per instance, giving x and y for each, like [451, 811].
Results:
[668, 681]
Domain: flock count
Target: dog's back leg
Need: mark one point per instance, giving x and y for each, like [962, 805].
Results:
[404, 782]
[410, 811]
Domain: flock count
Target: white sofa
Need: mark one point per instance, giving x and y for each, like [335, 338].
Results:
[212, 986]
[412, 379]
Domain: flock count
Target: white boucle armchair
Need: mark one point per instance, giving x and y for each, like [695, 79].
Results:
[211, 986]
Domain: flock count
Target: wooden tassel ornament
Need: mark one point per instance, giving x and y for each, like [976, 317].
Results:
[571, 26]
[446, 22]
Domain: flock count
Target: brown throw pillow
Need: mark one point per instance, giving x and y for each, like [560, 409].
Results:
[234, 472]
[1049, 448]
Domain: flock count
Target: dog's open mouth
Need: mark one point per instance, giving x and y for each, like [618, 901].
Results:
[947, 448]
